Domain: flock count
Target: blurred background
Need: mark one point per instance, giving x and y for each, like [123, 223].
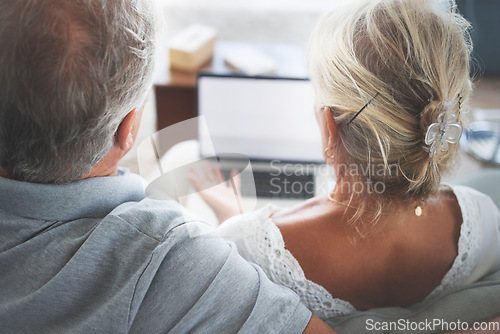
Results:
[291, 22]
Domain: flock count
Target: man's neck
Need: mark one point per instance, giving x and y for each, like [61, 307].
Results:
[107, 166]
[3, 173]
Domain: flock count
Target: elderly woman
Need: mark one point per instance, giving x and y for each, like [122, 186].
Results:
[391, 81]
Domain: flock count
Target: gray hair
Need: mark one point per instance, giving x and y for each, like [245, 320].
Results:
[70, 71]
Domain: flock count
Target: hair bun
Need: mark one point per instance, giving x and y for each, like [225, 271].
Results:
[430, 114]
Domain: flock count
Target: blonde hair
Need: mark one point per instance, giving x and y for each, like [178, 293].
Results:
[413, 56]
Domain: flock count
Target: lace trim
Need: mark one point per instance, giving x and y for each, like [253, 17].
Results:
[468, 243]
[265, 241]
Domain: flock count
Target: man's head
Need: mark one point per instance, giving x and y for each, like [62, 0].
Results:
[70, 71]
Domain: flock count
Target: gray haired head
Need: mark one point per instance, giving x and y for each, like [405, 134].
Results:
[70, 71]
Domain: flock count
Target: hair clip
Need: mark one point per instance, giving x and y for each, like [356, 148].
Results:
[445, 131]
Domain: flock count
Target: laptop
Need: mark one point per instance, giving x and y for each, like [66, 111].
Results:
[271, 122]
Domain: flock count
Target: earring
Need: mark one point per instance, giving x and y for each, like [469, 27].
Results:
[329, 156]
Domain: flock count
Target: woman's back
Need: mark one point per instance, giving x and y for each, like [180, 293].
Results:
[398, 266]
[457, 241]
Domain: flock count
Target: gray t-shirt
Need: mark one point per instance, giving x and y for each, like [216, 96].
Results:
[95, 256]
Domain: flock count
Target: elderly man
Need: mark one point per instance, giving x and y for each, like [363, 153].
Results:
[81, 248]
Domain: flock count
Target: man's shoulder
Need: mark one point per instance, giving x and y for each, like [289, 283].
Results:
[157, 218]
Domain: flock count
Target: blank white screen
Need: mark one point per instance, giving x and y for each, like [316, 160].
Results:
[260, 118]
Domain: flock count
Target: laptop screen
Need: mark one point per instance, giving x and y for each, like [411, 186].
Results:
[261, 118]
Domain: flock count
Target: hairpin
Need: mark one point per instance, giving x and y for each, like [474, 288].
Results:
[445, 131]
[359, 112]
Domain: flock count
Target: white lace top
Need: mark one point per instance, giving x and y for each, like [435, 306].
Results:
[260, 241]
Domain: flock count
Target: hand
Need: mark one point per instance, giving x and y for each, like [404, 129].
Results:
[223, 197]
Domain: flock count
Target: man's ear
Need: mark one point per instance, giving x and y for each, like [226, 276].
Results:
[125, 135]
[331, 126]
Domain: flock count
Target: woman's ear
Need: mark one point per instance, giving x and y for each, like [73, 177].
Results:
[329, 134]
[331, 126]
[125, 134]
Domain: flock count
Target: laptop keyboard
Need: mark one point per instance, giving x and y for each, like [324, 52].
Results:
[279, 186]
